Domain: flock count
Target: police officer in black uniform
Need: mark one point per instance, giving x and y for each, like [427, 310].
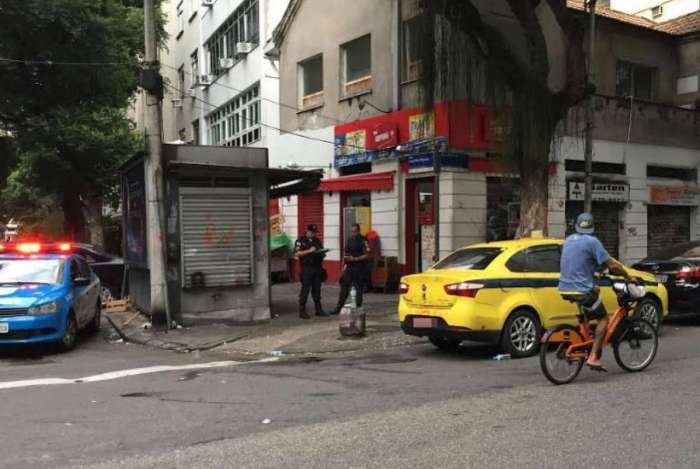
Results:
[357, 252]
[309, 250]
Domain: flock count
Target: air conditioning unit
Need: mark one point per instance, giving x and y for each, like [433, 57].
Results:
[204, 80]
[226, 63]
[657, 11]
[191, 92]
[177, 103]
[243, 49]
[208, 3]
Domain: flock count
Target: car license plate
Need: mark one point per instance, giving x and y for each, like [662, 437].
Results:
[4, 328]
[662, 278]
[423, 323]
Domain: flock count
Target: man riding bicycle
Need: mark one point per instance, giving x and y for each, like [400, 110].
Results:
[582, 255]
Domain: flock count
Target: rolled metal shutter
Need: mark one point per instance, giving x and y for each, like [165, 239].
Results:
[606, 217]
[217, 236]
[310, 211]
[666, 225]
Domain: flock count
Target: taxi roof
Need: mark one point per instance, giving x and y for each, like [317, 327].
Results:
[517, 243]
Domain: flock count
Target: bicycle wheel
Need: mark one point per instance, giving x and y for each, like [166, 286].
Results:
[636, 346]
[556, 366]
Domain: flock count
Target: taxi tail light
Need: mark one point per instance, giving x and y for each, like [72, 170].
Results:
[403, 288]
[464, 289]
[693, 273]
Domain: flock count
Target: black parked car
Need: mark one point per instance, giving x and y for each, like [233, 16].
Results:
[109, 268]
[678, 268]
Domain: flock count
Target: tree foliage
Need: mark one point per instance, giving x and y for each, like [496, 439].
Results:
[528, 59]
[63, 102]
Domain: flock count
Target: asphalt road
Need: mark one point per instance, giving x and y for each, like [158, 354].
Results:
[407, 407]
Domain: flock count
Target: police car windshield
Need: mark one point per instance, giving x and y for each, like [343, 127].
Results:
[27, 271]
[470, 259]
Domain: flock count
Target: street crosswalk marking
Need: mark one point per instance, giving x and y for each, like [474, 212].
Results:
[112, 375]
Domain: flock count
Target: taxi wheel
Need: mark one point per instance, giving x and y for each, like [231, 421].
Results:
[521, 334]
[445, 344]
[94, 326]
[70, 335]
[650, 310]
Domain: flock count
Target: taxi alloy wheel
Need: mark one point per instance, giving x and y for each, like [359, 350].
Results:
[521, 334]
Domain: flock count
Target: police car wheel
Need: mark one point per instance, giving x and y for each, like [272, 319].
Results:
[70, 335]
[94, 326]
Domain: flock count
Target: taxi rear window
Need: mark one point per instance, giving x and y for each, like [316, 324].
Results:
[469, 258]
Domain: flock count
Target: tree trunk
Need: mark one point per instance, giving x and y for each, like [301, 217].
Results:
[94, 221]
[74, 219]
[534, 184]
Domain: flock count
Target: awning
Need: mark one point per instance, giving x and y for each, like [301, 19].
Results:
[360, 182]
[282, 182]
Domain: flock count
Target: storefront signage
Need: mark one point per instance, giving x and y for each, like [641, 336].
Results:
[350, 149]
[665, 195]
[384, 135]
[602, 191]
[425, 160]
[421, 126]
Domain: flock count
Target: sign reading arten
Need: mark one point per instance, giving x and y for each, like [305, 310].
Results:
[602, 191]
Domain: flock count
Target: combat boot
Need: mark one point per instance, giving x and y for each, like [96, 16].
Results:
[302, 311]
[320, 311]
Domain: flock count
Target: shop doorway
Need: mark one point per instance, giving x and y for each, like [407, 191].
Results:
[666, 225]
[502, 208]
[606, 216]
[420, 224]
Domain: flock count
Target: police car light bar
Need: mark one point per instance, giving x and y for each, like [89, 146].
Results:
[36, 248]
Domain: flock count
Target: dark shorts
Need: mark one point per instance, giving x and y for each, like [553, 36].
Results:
[591, 306]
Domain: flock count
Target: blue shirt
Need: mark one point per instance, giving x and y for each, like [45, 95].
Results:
[580, 258]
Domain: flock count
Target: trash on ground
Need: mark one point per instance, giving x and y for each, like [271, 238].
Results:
[146, 325]
[502, 356]
[276, 353]
[266, 421]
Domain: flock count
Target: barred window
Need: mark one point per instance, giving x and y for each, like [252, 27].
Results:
[241, 27]
[236, 123]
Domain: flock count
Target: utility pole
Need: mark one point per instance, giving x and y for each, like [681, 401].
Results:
[590, 111]
[152, 83]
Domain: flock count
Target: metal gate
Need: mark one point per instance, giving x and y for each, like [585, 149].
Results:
[310, 211]
[216, 236]
[606, 217]
[666, 225]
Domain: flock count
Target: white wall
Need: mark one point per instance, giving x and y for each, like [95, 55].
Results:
[671, 8]
[306, 148]
[633, 246]
[462, 210]
[386, 209]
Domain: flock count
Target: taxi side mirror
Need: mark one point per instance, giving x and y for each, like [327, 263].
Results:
[81, 282]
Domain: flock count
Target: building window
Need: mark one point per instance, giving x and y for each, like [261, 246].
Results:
[412, 60]
[356, 66]
[635, 81]
[195, 132]
[194, 67]
[311, 82]
[194, 6]
[671, 172]
[235, 37]
[180, 19]
[181, 81]
[236, 123]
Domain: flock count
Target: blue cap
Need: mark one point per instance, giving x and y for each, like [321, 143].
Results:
[584, 223]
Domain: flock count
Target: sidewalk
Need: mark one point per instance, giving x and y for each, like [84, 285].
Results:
[285, 334]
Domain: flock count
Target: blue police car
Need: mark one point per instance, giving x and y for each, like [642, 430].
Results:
[47, 293]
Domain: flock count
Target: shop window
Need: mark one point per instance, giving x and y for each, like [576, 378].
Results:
[579, 166]
[356, 66]
[311, 82]
[359, 199]
[411, 51]
[355, 169]
[634, 80]
[670, 172]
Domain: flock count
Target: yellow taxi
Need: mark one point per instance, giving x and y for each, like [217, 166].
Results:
[503, 293]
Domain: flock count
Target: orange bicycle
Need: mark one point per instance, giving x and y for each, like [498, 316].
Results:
[564, 349]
